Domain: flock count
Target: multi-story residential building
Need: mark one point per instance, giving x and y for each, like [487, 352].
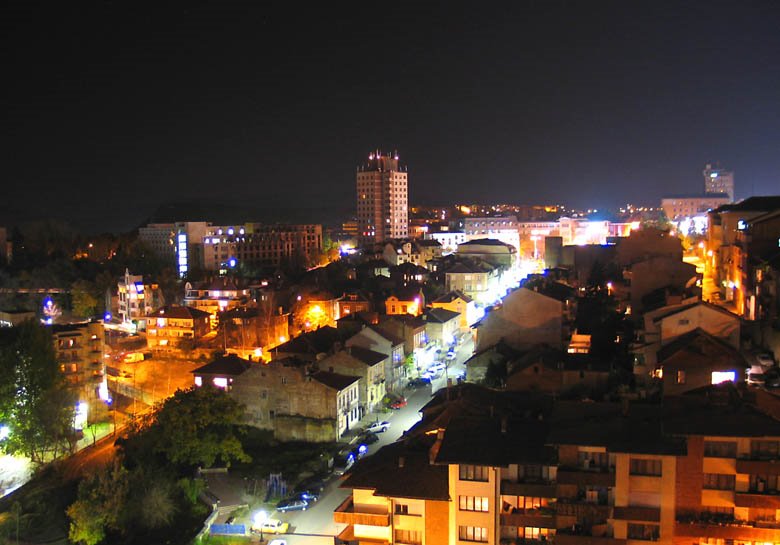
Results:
[718, 180]
[491, 251]
[79, 349]
[178, 243]
[173, 327]
[461, 303]
[366, 364]
[687, 206]
[441, 326]
[477, 280]
[297, 402]
[724, 251]
[382, 341]
[496, 467]
[137, 299]
[382, 199]
[213, 297]
[159, 239]
[260, 245]
[396, 253]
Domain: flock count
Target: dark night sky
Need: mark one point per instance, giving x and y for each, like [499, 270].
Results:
[110, 108]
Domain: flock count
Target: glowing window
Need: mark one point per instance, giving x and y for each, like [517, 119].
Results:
[724, 376]
[221, 382]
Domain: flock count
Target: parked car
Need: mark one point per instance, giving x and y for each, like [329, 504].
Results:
[272, 526]
[315, 483]
[437, 366]
[278, 542]
[398, 403]
[292, 504]
[420, 382]
[367, 438]
[342, 463]
[308, 496]
[378, 426]
[755, 379]
[451, 355]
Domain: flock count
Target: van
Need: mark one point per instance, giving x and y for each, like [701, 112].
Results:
[133, 357]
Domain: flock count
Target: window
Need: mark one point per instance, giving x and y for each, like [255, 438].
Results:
[638, 466]
[718, 481]
[720, 449]
[538, 534]
[401, 509]
[765, 449]
[412, 537]
[531, 502]
[590, 460]
[472, 533]
[473, 503]
[763, 484]
[473, 473]
[646, 532]
[680, 377]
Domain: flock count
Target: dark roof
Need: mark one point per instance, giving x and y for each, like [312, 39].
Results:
[178, 312]
[386, 335]
[485, 242]
[334, 380]
[407, 293]
[228, 364]
[401, 470]
[699, 344]
[752, 204]
[449, 297]
[439, 315]
[369, 357]
[223, 283]
[313, 342]
[673, 311]
[428, 242]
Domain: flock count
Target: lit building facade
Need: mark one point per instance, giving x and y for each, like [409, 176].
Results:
[718, 180]
[136, 299]
[173, 327]
[79, 349]
[382, 199]
[688, 206]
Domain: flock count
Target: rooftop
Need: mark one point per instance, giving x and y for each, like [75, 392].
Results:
[228, 364]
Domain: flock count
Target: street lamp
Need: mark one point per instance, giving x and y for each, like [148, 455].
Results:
[258, 520]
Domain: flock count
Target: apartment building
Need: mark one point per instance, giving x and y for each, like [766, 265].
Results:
[79, 349]
[487, 466]
[174, 327]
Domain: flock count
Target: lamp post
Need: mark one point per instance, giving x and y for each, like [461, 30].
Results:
[259, 519]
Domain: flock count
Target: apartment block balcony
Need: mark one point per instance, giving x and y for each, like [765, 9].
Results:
[593, 476]
[645, 514]
[721, 528]
[769, 499]
[597, 535]
[758, 466]
[538, 489]
[348, 513]
[583, 510]
[537, 518]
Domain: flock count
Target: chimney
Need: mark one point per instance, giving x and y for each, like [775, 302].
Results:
[401, 462]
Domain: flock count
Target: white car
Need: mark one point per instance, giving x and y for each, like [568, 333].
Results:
[378, 426]
[437, 367]
[278, 542]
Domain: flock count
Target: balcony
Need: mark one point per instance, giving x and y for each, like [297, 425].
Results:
[534, 489]
[597, 535]
[725, 529]
[762, 500]
[537, 518]
[346, 513]
[757, 466]
[598, 476]
[582, 510]
[645, 514]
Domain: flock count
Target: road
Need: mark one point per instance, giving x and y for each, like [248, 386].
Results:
[316, 523]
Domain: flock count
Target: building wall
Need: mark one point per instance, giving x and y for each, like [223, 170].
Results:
[527, 318]
[717, 323]
[382, 200]
[79, 351]
[655, 273]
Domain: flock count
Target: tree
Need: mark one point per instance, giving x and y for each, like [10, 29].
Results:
[35, 400]
[101, 501]
[196, 427]
[84, 300]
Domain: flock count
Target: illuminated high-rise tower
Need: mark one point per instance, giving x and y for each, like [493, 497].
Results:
[718, 180]
[382, 199]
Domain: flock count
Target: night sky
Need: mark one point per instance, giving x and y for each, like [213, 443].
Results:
[110, 108]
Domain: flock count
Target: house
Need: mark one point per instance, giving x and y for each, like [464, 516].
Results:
[478, 280]
[406, 300]
[461, 303]
[221, 372]
[352, 302]
[219, 295]
[441, 325]
[551, 371]
[174, 327]
[403, 251]
[375, 339]
[527, 318]
[409, 273]
[312, 345]
[664, 325]
[412, 329]
[429, 250]
[366, 364]
[656, 272]
[698, 359]
[285, 397]
[252, 332]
